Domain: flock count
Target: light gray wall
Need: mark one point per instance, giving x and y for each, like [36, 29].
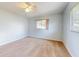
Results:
[71, 39]
[12, 27]
[54, 31]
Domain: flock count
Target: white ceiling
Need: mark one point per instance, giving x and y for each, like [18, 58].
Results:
[43, 8]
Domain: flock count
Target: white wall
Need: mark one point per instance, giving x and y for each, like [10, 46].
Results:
[12, 27]
[71, 39]
[54, 31]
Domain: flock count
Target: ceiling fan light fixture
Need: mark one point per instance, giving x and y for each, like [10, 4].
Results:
[28, 9]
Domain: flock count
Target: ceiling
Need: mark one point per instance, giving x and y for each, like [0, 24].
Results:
[43, 8]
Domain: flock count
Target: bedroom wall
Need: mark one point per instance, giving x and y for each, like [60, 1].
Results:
[71, 39]
[54, 31]
[12, 27]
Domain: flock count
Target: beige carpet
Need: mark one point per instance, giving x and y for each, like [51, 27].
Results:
[33, 47]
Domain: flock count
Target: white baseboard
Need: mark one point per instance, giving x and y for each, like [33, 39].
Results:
[9, 41]
[46, 38]
[67, 48]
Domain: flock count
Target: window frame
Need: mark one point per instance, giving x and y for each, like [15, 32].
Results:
[41, 25]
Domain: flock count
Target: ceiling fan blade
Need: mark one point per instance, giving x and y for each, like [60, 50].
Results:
[22, 5]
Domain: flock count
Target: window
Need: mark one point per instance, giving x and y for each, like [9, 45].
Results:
[42, 24]
[74, 17]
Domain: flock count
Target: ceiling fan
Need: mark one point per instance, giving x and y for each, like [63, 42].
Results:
[27, 6]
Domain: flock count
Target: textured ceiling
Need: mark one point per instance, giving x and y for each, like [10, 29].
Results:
[43, 8]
